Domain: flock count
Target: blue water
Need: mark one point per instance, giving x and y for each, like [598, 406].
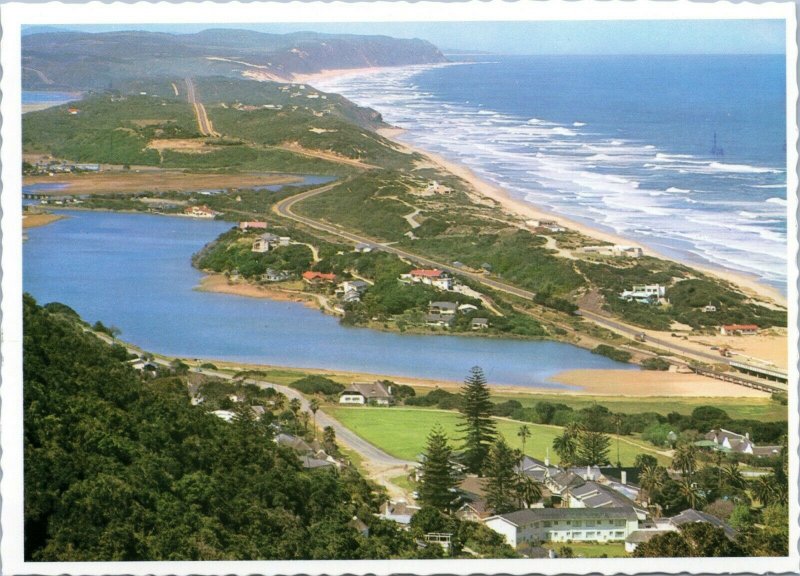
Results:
[37, 97]
[133, 271]
[619, 142]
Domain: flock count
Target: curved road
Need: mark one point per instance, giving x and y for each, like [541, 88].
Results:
[284, 208]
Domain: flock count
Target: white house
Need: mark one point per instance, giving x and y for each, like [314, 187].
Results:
[267, 242]
[373, 393]
[536, 525]
[646, 294]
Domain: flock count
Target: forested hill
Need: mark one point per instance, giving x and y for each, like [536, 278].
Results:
[82, 61]
[120, 467]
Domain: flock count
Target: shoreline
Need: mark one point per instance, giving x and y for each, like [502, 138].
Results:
[531, 211]
[747, 282]
[576, 383]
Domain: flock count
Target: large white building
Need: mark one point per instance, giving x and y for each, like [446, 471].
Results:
[536, 525]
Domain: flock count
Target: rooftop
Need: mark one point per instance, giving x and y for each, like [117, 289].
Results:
[524, 517]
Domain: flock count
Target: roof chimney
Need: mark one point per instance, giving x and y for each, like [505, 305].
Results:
[588, 473]
[624, 478]
[547, 458]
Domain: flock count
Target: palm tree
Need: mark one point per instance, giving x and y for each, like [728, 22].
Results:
[733, 476]
[528, 490]
[566, 445]
[685, 459]
[765, 490]
[690, 491]
[617, 424]
[313, 405]
[524, 433]
[651, 480]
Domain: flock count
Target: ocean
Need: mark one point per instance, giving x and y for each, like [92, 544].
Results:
[622, 143]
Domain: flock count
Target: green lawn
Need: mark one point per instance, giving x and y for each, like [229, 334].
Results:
[592, 549]
[402, 432]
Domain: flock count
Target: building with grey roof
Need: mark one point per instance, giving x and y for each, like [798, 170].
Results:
[536, 525]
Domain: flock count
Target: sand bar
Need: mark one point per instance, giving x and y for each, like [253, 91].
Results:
[651, 383]
[36, 220]
[221, 284]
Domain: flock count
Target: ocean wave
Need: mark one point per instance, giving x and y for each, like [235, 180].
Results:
[741, 168]
[619, 183]
[776, 186]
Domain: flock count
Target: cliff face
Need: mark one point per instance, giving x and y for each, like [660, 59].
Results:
[81, 61]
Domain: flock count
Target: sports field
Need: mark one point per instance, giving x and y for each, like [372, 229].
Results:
[402, 432]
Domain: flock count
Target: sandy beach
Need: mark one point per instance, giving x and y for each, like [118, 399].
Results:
[220, 284]
[529, 211]
[35, 220]
[651, 383]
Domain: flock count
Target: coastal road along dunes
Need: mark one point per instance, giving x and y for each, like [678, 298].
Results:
[284, 208]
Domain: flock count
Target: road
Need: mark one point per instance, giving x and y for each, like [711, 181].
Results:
[206, 128]
[284, 208]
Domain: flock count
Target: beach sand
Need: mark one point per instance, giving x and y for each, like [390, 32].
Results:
[35, 220]
[220, 284]
[651, 383]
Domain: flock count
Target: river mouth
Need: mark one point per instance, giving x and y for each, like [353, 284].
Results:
[133, 271]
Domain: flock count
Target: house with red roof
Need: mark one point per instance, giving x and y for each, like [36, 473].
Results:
[318, 277]
[739, 330]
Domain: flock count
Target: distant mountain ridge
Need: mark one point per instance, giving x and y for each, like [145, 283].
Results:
[57, 60]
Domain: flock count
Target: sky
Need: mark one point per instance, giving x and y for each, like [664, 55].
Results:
[550, 37]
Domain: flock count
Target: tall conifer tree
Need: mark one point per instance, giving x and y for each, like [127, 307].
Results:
[501, 493]
[477, 424]
[439, 479]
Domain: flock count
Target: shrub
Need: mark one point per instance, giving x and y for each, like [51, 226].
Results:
[656, 363]
[613, 353]
[317, 385]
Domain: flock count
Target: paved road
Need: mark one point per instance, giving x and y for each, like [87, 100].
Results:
[344, 435]
[284, 208]
[199, 110]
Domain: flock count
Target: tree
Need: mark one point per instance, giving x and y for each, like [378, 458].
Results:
[643, 461]
[690, 492]
[329, 440]
[528, 491]
[477, 424]
[524, 433]
[694, 539]
[566, 445]
[651, 480]
[617, 420]
[501, 494]
[592, 449]
[732, 476]
[439, 480]
[313, 405]
[685, 459]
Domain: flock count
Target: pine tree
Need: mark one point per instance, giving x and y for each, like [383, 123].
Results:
[439, 480]
[593, 448]
[501, 485]
[477, 424]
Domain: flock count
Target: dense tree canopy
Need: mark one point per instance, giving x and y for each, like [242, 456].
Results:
[122, 467]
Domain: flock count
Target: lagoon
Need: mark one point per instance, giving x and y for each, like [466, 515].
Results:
[133, 271]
